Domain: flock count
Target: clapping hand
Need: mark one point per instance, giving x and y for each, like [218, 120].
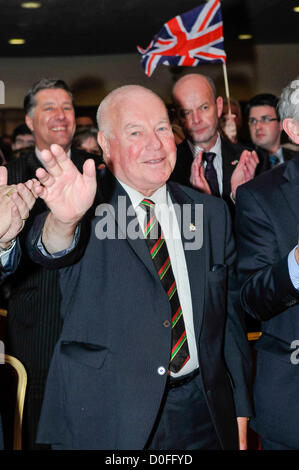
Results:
[16, 201]
[67, 192]
[244, 171]
[197, 178]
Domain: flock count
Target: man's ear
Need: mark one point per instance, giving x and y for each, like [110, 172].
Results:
[291, 127]
[104, 144]
[29, 123]
[219, 103]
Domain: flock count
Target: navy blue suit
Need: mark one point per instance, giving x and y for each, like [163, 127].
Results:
[267, 218]
[104, 388]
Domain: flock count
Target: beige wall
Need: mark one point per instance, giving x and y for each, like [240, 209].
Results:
[250, 71]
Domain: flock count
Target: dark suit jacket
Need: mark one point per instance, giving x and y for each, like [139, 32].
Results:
[34, 321]
[267, 218]
[104, 390]
[230, 157]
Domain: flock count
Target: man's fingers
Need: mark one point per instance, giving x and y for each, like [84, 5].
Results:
[16, 222]
[89, 169]
[54, 159]
[255, 157]
[30, 185]
[44, 177]
[3, 175]
[62, 158]
[26, 194]
[23, 209]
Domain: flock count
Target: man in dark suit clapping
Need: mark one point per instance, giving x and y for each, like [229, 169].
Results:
[199, 109]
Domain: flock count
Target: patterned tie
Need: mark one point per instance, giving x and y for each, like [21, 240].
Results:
[160, 256]
[274, 160]
[210, 172]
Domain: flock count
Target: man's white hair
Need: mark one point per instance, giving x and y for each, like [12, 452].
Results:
[104, 114]
[288, 105]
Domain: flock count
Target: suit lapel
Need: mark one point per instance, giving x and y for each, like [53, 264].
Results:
[123, 216]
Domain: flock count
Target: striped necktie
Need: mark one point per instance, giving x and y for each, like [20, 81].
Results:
[160, 256]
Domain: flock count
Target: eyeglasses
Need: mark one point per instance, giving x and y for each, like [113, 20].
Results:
[263, 120]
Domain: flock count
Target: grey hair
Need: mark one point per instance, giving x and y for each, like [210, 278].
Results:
[43, 84]
[288, 104]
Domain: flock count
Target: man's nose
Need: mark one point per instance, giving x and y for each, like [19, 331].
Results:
[154, 141]
[196, 116]
[60, 113]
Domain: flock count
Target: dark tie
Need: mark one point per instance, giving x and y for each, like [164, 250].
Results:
[160, 256]
[210, 172]
[274, 160]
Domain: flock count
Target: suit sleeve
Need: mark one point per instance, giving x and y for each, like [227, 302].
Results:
[236, 348]
[11, 262]
[263, 275]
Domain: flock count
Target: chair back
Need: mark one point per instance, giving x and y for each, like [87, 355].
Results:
[13, 380]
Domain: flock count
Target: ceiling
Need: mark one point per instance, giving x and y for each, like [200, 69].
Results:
[91, 27]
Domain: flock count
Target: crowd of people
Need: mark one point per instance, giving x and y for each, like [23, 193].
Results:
[133, 253]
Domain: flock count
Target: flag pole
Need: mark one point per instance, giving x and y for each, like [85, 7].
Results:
[226, 86]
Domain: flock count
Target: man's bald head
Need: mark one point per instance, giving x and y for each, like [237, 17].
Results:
[108, 108]
[190, 80]
[199, 108]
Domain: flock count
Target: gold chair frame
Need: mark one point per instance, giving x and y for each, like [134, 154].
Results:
[20, 398]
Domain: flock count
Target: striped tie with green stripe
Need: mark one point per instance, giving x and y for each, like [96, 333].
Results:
[159, 253]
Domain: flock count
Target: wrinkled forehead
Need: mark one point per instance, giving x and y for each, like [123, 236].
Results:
[193, 93]
[52, 95]
[136, 108]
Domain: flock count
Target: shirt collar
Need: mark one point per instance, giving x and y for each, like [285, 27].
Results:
[158, 197]
[279, 154]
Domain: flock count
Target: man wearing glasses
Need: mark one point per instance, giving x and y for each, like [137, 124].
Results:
[265, 130]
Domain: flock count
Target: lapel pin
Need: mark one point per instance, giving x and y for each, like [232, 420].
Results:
[192, 227]
[235, 162]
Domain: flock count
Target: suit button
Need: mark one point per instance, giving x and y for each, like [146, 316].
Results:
[166, 323]
[161, 370]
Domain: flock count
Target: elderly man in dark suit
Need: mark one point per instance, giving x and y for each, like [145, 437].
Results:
[205, 160]
[152, 354]
[267, 220]
[34, 320]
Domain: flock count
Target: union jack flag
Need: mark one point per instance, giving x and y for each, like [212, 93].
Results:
[195, 36]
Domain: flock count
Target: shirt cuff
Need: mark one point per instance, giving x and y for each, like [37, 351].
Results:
[6, 256]
[62, 253]
[293, 268]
